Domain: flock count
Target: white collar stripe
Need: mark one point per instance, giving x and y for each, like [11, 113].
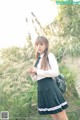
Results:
[53, 108]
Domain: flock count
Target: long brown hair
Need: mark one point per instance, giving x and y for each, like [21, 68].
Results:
[44, 62]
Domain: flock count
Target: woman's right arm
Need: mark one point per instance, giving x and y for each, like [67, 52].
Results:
[32, 74]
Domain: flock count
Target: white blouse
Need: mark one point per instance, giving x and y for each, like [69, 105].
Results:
[53, 71]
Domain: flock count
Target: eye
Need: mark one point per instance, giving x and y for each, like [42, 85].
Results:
[41, 44]
[37, 44]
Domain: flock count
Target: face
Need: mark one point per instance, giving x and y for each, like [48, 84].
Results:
[40, 47]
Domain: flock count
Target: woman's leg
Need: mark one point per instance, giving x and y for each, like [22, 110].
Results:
[54, 116]
[62, 115]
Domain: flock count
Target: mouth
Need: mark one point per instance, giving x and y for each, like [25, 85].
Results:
[39, 50]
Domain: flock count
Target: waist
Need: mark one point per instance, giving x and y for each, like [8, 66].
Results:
[45, 83]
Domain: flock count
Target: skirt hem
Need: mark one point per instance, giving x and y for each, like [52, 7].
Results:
[53, 112]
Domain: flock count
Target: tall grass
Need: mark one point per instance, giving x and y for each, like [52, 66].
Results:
[18, 93]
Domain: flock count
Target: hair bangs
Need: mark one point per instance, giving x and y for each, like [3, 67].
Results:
[39, 41]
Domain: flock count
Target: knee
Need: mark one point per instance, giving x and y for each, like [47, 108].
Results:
[63, 118]
[54, 116]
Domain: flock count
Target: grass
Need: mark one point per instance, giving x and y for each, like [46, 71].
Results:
[18, 92]
[20, 110]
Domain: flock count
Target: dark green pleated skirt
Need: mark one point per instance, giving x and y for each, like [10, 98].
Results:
[50, 98]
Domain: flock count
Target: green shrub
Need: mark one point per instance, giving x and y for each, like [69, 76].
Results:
[70, 77]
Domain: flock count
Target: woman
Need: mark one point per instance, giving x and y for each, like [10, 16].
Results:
[50, 98]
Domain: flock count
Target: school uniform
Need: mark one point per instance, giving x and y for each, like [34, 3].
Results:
[50, 98]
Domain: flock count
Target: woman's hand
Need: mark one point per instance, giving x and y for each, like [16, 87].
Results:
[32, 70]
